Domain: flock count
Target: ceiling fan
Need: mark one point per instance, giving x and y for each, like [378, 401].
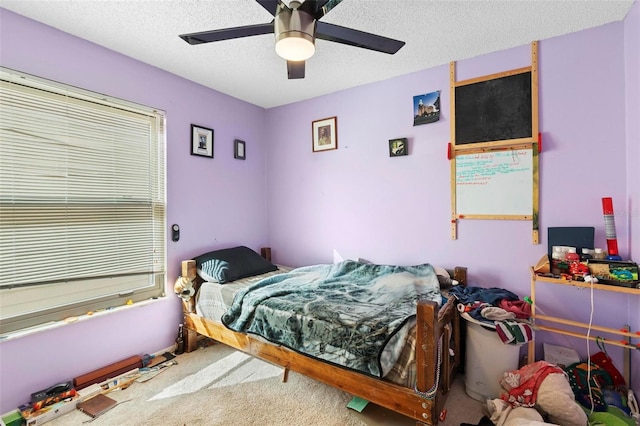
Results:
[296, 27]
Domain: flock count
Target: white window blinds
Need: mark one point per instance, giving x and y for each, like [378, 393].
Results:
[82, 201]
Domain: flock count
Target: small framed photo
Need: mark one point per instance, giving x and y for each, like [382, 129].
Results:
[239, 150]
[398, 147]
[201, 141]
[325, 134]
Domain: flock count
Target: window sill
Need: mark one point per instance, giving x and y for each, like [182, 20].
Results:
[72, 320]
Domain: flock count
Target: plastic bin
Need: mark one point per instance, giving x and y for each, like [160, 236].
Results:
[486, 360]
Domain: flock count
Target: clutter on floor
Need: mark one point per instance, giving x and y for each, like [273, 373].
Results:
[484, 421]
[543, 393]
[561, 389]
[96, 405]
[540, 386]
[88, 392]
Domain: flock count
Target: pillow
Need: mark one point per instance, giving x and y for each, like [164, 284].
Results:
[444, 278]
[226, 265]
[337, 258]
[557, 399]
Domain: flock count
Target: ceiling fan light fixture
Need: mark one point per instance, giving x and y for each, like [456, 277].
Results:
[295, 46]
[296, 28]
[295, 33]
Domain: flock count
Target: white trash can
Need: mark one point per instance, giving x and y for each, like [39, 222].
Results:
[486, 360]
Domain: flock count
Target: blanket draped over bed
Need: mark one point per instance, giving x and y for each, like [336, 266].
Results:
[351, 314]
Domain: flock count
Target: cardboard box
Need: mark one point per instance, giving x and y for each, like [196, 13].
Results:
[560, 355]
[89, 392]
[615, 272]
[51, 412]
[12, 418]
[543, 266]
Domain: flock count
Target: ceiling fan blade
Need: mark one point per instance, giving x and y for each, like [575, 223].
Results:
[271, 5]
[319, 8]
[295, 69]
[228, 33]
[332, 32]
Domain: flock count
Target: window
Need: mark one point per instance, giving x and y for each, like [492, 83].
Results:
[82, 201]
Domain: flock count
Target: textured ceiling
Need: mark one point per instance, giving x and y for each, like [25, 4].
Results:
[435, 31]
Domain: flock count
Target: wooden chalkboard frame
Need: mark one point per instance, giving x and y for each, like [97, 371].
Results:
[527, 142]
[489, 87]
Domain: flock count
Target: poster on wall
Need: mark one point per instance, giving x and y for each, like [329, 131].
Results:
[426, 108]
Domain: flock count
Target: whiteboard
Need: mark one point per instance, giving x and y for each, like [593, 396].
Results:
[497, 183]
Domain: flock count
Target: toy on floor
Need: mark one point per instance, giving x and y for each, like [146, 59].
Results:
[541, 387]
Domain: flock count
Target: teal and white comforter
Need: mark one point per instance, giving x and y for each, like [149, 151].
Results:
[351, 314]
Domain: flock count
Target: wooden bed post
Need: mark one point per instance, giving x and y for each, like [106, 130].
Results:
[188, 271]
[459, 337]
[190, 340]
[426, 353]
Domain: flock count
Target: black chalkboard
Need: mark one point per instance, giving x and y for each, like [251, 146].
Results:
[498, 109]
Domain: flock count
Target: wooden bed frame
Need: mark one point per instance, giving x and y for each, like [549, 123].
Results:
[431, 325]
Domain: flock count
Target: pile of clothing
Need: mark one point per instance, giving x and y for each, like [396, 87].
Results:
[497, 307]
[542, 392]
[535, 395]
[601, 390]
[535, 392]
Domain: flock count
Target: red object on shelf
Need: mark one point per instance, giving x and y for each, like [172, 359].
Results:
[610, 226]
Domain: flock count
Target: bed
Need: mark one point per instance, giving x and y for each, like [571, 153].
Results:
[408, 370]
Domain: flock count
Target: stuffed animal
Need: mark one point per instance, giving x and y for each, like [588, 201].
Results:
[556, 399]
[184, 288]
[444, 278]
[546, 388]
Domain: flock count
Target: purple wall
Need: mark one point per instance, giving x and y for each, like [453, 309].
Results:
[632, 88]
[356, 199]
[363, 203]
[207, 197]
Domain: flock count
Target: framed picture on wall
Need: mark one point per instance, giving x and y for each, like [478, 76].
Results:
[201, 141]
[239, 150]
[398, 147]
[325, 134]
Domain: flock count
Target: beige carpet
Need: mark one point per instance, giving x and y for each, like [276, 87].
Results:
[216, 385]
